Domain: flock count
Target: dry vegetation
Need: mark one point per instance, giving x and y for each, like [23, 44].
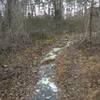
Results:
[78, 74]
[18, 73]
[25, 35]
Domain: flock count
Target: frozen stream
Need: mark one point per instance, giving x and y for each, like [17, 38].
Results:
[46, 88]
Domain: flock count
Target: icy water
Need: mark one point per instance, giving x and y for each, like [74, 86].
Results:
[46, 88]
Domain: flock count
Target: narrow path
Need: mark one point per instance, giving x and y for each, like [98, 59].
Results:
[46, 88]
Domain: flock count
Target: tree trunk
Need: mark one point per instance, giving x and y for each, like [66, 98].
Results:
[91, 20]
[9, 12]
[99, 4]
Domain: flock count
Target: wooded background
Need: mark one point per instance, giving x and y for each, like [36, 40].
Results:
[22, 22]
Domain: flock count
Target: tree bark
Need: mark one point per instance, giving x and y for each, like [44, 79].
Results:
[91, 19]
[9, 12]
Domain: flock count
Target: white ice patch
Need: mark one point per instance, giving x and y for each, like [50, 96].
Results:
[48, 97]
[53, 86]
[56, 50]
[37, 91]
[51, 55]
[45, 81]
[69, 43]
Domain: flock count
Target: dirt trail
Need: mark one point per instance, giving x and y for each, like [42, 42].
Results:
[63, 74]
[46, 88]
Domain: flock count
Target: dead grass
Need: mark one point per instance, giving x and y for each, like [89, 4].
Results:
[19, 72]
[78, 75]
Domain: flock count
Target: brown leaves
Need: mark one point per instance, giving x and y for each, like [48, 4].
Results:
[79, 75]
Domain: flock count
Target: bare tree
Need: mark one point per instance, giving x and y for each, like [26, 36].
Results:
[91, 20]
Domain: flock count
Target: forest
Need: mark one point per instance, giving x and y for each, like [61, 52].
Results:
[49, 49]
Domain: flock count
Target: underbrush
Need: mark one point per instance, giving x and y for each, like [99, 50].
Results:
[78, 73]
[14, 46]
[18, 67]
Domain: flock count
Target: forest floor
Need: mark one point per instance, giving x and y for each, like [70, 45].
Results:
[18, 73]
[77, 72]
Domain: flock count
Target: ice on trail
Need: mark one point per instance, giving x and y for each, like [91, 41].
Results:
[45, 81]
[48, 57]
[56, 50]
[51, 55]
[46, 88]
